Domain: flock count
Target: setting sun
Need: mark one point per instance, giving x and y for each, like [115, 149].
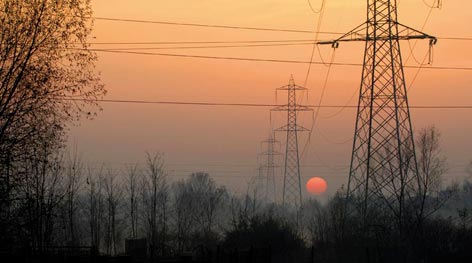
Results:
[316, 186]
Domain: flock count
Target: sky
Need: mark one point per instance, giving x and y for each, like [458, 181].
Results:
[225, 141]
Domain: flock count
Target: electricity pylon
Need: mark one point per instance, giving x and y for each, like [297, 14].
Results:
[292, 193]
[257, 185]
[270, 166]
[383, 164]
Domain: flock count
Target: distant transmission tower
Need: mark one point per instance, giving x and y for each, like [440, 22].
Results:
[257, 185]
[270, 166]
[383, 164]
[292, 193]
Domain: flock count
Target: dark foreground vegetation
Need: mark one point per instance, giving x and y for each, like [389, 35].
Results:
[70, 213]
[56, 208]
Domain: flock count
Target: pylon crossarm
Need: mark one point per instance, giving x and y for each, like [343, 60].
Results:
[294, 108]
[270, 141]
[273, 152]
[357, 34]
[291, 87]
[412, 33]
[288, 128]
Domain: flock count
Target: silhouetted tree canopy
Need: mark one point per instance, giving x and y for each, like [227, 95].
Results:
[47, 74]
[47, 81]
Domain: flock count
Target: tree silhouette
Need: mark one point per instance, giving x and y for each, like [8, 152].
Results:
[47, 80]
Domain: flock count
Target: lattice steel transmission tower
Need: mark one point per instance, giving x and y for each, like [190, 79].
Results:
[270, 166]
[292, 193]
[383, 165]
[257, 185]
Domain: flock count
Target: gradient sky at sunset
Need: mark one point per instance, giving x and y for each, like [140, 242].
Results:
[224, 141]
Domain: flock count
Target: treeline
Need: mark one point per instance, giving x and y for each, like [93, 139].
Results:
[339, 234]
[59, 202]
[407, 216]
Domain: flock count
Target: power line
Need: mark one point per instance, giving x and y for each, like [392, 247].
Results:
[242, 27]
[235, 42]
[205, 47]
[263, 60]
[205, 164]
[456, 38]
[179, 103]
[208, 25]
[201, 42]
[194, 103]
[219, 173]
[236, 27]
[215, 57]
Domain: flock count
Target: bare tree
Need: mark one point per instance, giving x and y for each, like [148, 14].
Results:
[45, 66]
[47, 80]
[315, 220]
[95, 182]
[42, 196]
[113, 196]
[73, 183]
[154, 197]
[182, 209]
[207, 199]
[132, 191]
[431, 167]
[412, 193]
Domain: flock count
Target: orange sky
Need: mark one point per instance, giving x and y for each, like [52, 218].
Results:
[224, 140]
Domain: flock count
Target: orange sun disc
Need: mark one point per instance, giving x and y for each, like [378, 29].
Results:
[316, 186]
